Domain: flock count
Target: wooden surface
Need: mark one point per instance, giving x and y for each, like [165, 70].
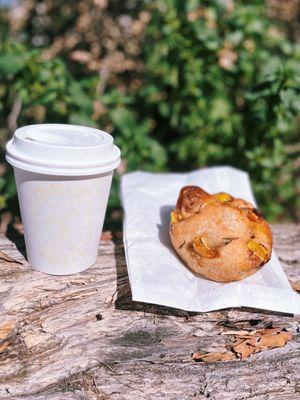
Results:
[81, 337]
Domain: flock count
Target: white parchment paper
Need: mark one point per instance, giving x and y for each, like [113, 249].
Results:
[158, 276]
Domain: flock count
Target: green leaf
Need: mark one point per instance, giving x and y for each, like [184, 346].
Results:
[11, 64]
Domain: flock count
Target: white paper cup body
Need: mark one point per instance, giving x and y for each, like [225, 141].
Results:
[63, 219]
[62, 204]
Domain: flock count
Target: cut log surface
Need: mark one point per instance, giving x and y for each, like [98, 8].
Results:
[82, 337]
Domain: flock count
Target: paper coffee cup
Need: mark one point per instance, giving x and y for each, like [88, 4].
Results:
[63, 175]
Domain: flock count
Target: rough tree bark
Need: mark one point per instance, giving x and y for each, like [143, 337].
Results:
[81, 337]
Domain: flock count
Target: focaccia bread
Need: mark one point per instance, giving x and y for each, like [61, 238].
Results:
[220, 237]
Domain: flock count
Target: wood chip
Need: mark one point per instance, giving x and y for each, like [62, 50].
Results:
[7, 258]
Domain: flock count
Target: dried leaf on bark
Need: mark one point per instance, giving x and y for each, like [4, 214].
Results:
[296, 286]
[243, 349]
[246, 343]
[213, 357]
[235, 332]
[273, 340]
[263, 339]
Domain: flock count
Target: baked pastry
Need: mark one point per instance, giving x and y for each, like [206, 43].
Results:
[218, 236]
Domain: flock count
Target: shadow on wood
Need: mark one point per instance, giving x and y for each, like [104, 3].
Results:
[124, 296]
[17, 238]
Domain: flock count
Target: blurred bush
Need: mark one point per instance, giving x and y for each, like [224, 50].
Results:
[222, 84]
[180, 85]
[32, 91]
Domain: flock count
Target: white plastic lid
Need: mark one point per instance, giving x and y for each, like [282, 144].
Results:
[61, 149]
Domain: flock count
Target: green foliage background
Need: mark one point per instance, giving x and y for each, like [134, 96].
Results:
[220, 84]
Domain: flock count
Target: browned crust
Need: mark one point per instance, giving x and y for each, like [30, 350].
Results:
[227, 226]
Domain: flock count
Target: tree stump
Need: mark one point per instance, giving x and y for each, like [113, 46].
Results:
[82, 337]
